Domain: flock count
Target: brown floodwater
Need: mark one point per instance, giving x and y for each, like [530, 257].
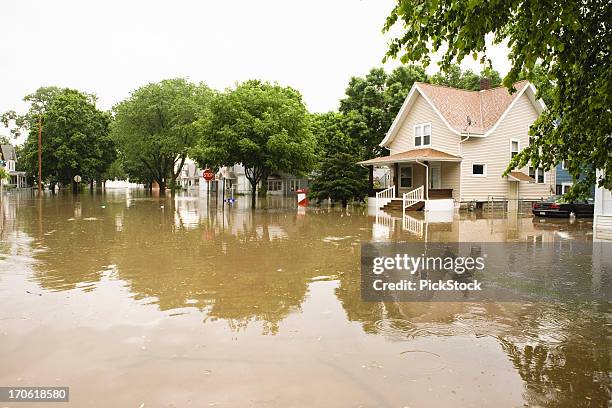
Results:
[137, 301]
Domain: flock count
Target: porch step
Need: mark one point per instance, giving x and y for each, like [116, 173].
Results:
[396, 205]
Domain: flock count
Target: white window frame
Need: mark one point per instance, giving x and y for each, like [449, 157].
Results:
[275, 181]
[518, 144]
[484, 169]
[565, 184]
[536, 174]
[422, 127]
[563, 165]
[411, 175]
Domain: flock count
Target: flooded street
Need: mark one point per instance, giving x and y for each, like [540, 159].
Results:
[137, 301]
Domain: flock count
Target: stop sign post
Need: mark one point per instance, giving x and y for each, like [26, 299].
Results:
[208, 174]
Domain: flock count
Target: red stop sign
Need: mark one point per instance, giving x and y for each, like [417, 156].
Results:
[208, 174]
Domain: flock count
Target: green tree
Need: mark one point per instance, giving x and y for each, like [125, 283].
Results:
[457, 78]
[571, 42]
[154, 129]
[337, 176]
[38, 102]
[373, 101]
[75, 138]
[261, 125]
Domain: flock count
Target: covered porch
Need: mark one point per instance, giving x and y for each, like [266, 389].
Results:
[420, 179]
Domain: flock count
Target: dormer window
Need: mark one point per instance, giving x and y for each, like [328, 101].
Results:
[422, 135]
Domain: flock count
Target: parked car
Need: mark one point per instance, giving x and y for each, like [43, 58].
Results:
[556, 206]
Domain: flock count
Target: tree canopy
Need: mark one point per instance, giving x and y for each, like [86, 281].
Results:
[373, 101]
[337, 175]
[154, 129]
[261, 125]
[567, 41]
[74, 133]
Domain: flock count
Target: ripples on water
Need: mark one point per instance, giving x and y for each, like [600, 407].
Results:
[220, 275]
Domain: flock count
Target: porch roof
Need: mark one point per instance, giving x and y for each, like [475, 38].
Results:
[413, 155]
[520, 176]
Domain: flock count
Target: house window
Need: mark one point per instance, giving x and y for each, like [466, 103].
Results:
[275, 185]
[479, 170]
[406, 177]
[562, 188]
[422, 135]
[565, 164]
[514, 148]
[537, 174]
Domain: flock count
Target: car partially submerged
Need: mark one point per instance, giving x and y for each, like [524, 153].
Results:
[557, 206]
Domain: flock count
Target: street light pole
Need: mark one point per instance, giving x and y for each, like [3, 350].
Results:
[39, 155]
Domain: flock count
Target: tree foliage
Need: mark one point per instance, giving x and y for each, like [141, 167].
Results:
[457, 78]
[261, 125]
[154, 129]
[337, 175]
[74, 134]
[373, 101]
[566, 41]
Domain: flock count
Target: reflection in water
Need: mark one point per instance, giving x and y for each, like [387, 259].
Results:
[287, 284]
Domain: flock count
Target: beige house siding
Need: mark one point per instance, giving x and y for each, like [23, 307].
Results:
[421, 112]
[451, 173]
[494, 151]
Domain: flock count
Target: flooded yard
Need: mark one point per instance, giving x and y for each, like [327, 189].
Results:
[138, 301]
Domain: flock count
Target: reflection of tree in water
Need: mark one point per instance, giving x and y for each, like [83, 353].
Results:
[561, 352]
[570, 366]
[71, 236]
[237, 266]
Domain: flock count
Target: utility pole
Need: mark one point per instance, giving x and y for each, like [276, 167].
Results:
[39, 155]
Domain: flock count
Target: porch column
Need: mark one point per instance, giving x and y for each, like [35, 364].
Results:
[370, 181]
[427, 179]
[396, 178]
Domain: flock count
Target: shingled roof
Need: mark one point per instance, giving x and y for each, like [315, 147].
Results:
[413, 155]
[484, 108]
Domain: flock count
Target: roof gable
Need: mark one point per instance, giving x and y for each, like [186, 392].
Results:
[485, 109]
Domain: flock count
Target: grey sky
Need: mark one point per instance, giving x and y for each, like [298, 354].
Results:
[112, 47]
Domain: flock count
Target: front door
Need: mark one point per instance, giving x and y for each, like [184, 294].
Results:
[435, 175]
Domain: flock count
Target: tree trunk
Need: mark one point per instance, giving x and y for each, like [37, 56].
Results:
[344, 203]
[263, 191]
[253, 194]
[162, 186]
[91, 188]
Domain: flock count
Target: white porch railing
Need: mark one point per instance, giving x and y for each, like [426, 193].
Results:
[412, 197]
[413, 225]
[384, 197]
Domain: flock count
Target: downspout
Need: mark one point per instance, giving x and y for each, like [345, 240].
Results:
[461, 163]
[426, 178]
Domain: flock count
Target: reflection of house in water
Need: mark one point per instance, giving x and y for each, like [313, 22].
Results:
[475, 227]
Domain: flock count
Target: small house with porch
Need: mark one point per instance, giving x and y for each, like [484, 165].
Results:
[449, 146]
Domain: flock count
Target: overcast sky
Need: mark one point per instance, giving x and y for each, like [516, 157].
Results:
[112, 47]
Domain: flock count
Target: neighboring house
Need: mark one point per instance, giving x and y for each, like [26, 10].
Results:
[236, 181]
[8, 160]
[453, 145]
[602, 218]
[190, 176]
[564, 180]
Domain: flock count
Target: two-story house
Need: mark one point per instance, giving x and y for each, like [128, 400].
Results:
[8, 160]
[448, 146]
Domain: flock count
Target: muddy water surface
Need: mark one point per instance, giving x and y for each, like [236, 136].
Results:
[137, 301]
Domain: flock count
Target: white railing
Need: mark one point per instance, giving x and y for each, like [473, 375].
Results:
[413, 225]
[383, 227]
[412, 197]
[384, 197]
